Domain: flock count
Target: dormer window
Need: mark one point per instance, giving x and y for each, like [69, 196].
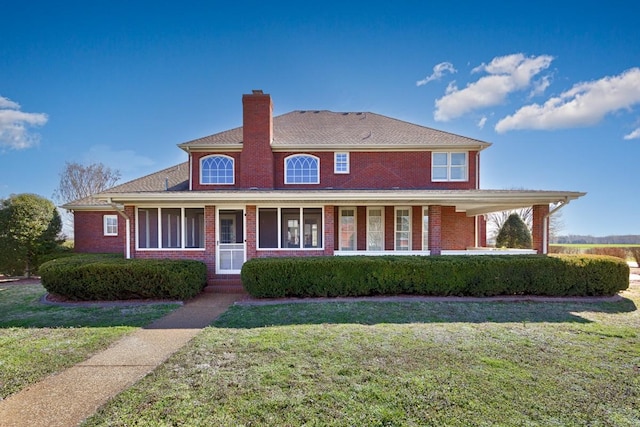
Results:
[302, 169]
[217, 170]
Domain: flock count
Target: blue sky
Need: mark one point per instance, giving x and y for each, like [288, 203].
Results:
[555, 89]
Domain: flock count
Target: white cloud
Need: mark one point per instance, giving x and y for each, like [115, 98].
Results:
[438, 71]
[583, 105]
[507, 74]
[482, 122]
[633, 135]
[539, 86]
[14, 123]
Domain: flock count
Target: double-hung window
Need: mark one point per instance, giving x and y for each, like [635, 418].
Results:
[110, 225]
[217, 169]
[341, 163]
[403, 229]
[302, 169]
[449, 167]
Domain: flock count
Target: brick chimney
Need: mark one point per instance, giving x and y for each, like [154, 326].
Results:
[257, 169]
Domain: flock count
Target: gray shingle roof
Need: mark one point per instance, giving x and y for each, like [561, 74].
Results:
[348, 130]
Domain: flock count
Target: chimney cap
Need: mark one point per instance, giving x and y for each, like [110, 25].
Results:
[257, 92]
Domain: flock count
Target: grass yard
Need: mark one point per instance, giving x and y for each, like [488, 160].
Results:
[37, 340]
[399, 364]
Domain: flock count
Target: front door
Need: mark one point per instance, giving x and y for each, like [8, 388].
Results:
[230, 241]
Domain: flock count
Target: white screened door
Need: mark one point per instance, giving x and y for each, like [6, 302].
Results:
[231, 242]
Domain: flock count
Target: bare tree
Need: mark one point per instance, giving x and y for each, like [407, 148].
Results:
[78, 182]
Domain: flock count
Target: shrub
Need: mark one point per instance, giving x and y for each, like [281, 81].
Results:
[514, 234]
[635, 252]
[481, 275]
[109, 277]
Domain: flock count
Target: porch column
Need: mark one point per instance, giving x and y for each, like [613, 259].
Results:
[210, 242]
[540, 229]
[252, 239]
[130, 211]
[435, 229]
[329, 230]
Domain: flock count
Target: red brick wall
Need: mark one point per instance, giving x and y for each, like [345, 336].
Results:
[361, 228]
[89, 233]
[458, 230]
[381, 170]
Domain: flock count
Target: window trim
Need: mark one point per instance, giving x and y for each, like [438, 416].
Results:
[395, 228]
[105, 225]
[233, 169]
[449, 166]
[381, 209]
[183, 230]
[347, 163]
[286, 169]
[355, 227]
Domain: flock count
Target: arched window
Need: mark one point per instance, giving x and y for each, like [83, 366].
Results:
[302, 169]
[216, 170]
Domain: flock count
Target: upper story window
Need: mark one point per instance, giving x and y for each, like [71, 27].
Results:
[302, 169]
[110, 225]
[341, 162]
[216, 170]
[449, 167]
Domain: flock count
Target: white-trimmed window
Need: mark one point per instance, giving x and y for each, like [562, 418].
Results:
[375, 228]
[449, 167]
[302, 169]
[110, 225]
[217, 169]
[170, 228]
[290, 228]
[341, 163]
[425, 228]
[347, 230]
[403, 229]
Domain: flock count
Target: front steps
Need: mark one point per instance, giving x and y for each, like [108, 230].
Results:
[225, 284]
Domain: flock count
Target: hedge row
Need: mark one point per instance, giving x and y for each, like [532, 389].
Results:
[480, 275]
[109, 277]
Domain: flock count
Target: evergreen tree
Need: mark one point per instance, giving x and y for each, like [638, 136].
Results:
[29, 227]
[514, 234]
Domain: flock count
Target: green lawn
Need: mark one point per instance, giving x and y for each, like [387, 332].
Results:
[37, 340]
[399, 364]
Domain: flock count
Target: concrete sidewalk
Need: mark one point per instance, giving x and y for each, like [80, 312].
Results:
[67, 398]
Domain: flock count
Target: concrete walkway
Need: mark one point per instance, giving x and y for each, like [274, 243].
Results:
[67, 398]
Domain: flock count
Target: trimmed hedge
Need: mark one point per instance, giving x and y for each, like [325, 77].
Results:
[110, 277]
[479, 275]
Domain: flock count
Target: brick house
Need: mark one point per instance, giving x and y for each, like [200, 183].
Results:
[307, 183]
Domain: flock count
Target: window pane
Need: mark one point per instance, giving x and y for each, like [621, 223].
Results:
[194, 223]
[439, 173]
[425, 230]
[217, 170]
[171, 228]
[458, 159]
[148, 228]
[403, 230]
[347, 230]
[302, 170]
[312, 218]
[440, 159]
[375, 227]
[458, 173]
[268, 223]
[290, 228]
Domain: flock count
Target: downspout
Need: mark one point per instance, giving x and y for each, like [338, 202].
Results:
[545, 225]
[127, 228]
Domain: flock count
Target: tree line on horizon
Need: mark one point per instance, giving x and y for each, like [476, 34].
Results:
[578, 239]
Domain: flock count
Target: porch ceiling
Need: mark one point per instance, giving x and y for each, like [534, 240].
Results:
[472, 202]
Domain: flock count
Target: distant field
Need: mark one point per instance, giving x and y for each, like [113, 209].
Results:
[593, 245]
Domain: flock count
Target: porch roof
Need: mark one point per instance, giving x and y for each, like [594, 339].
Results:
[472, 202]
